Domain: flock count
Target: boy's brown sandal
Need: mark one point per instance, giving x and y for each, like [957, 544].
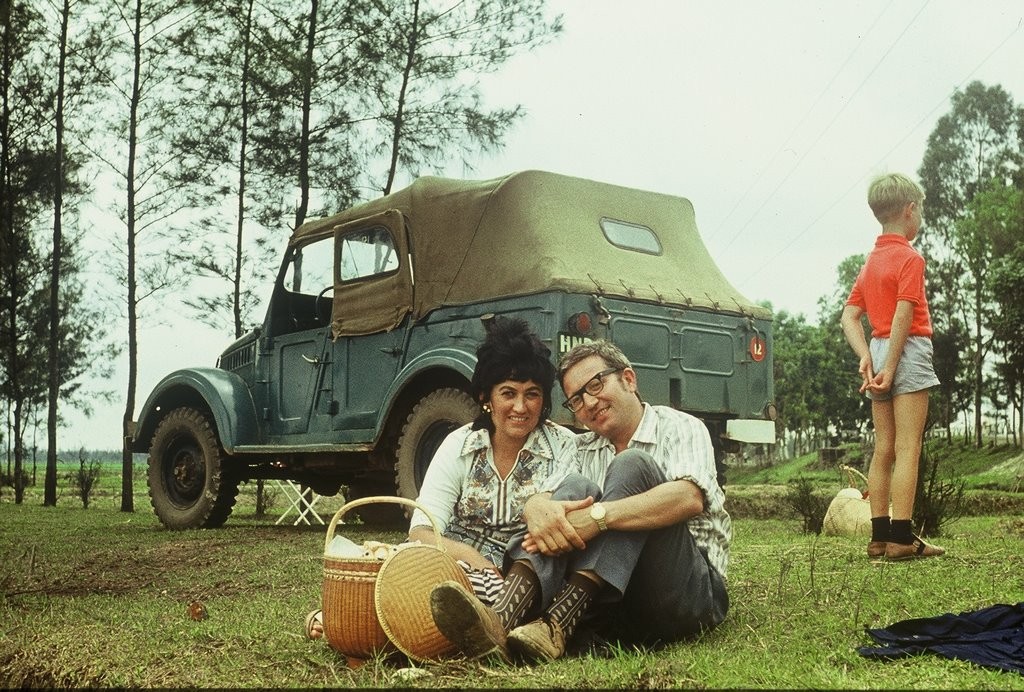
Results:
[901, 551]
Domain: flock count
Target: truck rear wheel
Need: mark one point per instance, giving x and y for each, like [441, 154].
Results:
[436, 415]
[188, 485]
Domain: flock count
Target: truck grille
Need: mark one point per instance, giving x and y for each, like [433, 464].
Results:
[236, 360]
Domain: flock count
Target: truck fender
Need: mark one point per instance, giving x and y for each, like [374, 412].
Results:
[221, 393]
[447, 359]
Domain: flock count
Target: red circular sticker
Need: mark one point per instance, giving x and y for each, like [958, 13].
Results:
[757, 348]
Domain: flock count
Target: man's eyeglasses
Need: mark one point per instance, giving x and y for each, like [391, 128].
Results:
[592, 387]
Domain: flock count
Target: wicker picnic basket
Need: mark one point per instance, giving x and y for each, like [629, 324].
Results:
[380, 606]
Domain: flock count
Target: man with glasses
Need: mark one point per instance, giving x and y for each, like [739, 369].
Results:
[638, 542]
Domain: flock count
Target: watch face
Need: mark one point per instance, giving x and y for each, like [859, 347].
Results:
[597, 511]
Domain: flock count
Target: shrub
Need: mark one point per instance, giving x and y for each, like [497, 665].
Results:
[271, 495]
[938, 501]
[810, 505]
[1013, 526]
[84, 478]
[7, 479]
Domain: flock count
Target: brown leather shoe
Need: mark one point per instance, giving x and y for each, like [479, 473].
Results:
[540, 640]
[876, 549]
[902, 551]
[467, 623]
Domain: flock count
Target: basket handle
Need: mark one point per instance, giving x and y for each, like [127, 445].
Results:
[850, 472]
[376, 499]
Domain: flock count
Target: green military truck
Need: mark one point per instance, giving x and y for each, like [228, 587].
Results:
[363, 362]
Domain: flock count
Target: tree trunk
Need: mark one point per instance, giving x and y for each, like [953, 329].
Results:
[240, 227]
[307, 99]
[261, 498]
[948, 416]
[1019, 434]
[396, 134]
[7, 245]
[127, 491]
[19, 456]
[979, 361]
[50, 483]
[243, 147]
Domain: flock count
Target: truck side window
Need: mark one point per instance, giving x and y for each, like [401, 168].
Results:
[367, 253]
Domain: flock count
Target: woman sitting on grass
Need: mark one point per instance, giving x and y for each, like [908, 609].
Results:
[483, 473]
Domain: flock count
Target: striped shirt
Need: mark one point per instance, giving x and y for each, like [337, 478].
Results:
[472, 504]
[681, 446]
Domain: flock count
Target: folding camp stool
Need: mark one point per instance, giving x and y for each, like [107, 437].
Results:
[302, 501]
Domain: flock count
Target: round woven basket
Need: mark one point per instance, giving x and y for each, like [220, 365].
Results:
[848, 515]
[364, 616]
[402, 600]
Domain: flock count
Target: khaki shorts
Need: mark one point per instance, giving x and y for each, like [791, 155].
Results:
[914, 371]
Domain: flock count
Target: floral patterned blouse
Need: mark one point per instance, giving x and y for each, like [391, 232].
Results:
[469, 500]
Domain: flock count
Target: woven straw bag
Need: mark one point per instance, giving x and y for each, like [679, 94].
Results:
[402, 600]
[380, 604]
[849, 513]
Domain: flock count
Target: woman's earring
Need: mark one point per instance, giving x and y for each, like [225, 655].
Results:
[487, 408]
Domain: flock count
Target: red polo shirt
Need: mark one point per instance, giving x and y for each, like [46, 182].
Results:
[893, 271]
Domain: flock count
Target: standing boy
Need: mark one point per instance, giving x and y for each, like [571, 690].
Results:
[896, 370]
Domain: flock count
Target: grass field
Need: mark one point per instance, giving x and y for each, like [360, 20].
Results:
[100, 597]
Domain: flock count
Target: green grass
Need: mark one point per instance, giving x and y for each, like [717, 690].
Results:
[993, 479]
[993, 467]
[99, 597]
[781, 473]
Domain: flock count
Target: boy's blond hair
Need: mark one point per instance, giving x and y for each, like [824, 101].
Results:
[888, 194]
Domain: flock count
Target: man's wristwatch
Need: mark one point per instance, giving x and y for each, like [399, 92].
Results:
[597, 513]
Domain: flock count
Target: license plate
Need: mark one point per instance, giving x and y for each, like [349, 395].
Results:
[566, 342]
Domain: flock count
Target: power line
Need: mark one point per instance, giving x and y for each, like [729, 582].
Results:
[782, 147]
[941, 103]
[811, 147]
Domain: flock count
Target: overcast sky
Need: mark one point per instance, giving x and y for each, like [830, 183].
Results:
[770, 116]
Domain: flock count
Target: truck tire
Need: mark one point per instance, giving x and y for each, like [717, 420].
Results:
[189, 487]
[436, 415]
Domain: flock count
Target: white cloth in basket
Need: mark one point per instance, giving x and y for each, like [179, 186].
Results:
[341, 547]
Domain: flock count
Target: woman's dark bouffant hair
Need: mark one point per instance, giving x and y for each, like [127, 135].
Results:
[510, 351]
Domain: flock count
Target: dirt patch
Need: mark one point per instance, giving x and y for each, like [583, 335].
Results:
[97, 572]
[758, 502]
[163, 568]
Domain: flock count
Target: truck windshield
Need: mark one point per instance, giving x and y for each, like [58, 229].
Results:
[311, 269]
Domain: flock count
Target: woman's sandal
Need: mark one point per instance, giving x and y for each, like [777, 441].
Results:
[315, 624]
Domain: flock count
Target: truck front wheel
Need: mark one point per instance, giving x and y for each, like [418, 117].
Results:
[436, 415]
[188, 485]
